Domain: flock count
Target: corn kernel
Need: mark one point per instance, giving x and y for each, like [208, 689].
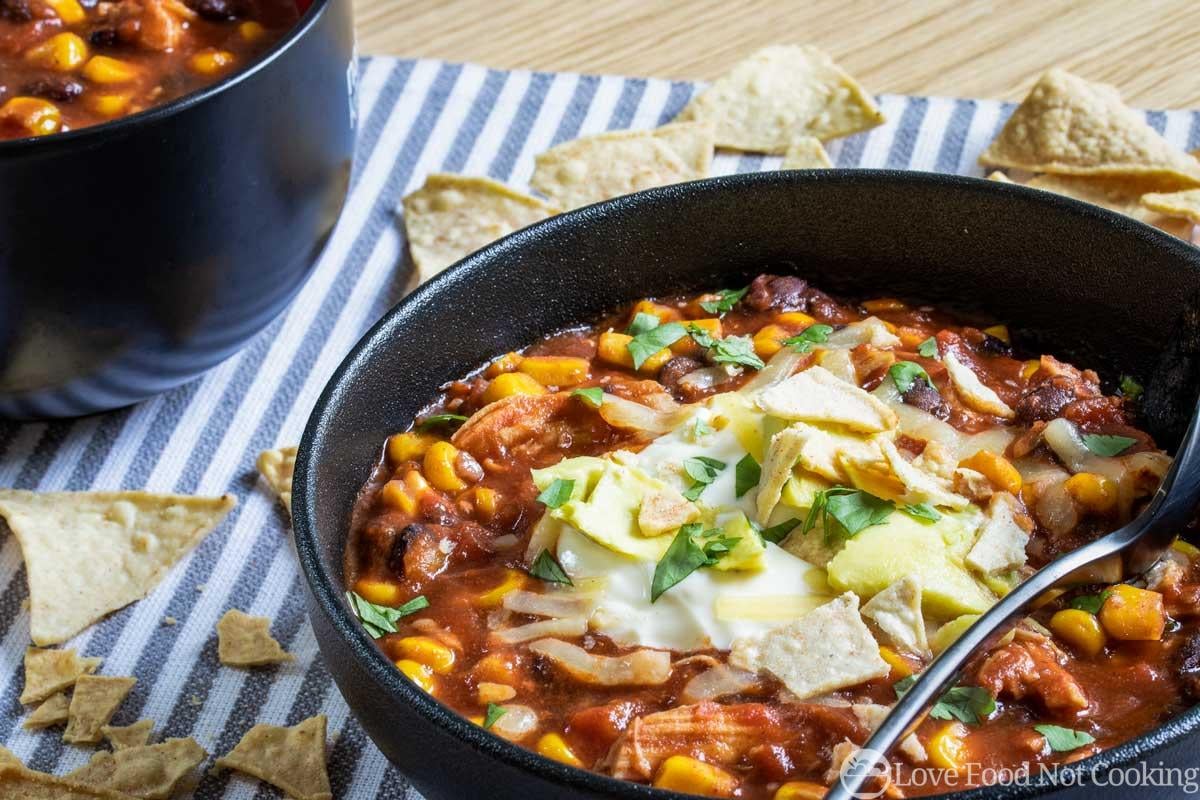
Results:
[999, 332]
[1029, 368]
[408, 446]
[900, 667]
[885, 304]
[688, 775]
[109, 104]
[484, 501]
[795, 319]
[69, 11]
[1133, 614]
[997, 469]
[513, 580]
[439, 467]
[556, 370]
[769, 340]
[395, 495]
[419, 674]
[1095, 493]
[251, 31]
[32, 114]
[63, 52]
[614, 348]
[494, 668]
[509, 384]
[664, 313]
[800, 790]
[509, 362]
[947, 748]
[1187, 548]
[430, 652]
[553, 746]
[487, 692]
[210, 61]
[687, 346]
[381, 593]
[105, 70]
[1079, 629]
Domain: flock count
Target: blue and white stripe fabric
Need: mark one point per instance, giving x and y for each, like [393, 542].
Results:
[416, 117]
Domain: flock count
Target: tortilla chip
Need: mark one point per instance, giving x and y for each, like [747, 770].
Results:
[452, 216]
[1184, 204]
[999, 177]
[122, 737]
[828, 648]
[292, 759]
[779, 94]
[594, 168]
[277, 467]
[806, 152]
[48, 672]
[1122, 196]
[150, 772]
[1070, 126]
[896, 611]
[7, 757]
[53, 711]
[90, 553]
[1001, 543]
[96, 699]
[817, 395]
[246, 641]
[18, 783]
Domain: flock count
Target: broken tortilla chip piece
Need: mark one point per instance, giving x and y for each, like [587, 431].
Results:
[1185, 204]
[807, 152]
[48, 672]
[452, 216]
[594, 168]
[999, 177]
[246, 641]
[1115, 194]
[130, 539]
[781, 93]
[96, 699]
[18, 783]
[293, 759]
[52, 711]
[151, 771]
[1067, 125]
[7, 757]
[122, 737]
[277, 466]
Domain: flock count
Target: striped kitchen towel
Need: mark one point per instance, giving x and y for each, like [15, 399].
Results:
[416, 117]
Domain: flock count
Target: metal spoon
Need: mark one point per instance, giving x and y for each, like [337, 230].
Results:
[1125, 553]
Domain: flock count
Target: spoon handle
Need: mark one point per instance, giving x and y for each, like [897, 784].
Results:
[870, 761]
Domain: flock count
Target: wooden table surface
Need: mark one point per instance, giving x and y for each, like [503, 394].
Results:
[972, 48]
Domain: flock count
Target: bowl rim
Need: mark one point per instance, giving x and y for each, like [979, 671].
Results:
[115, 127]
[329, 597]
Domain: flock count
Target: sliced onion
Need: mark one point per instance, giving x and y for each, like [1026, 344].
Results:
[544, 537]
[1055, 509]
[778, 369]
[871, 331]
[516, 722]
[505, 541]
[919, 424]
[566, 626]
[639, 668]
[701, 380]
[719, 681]
[1064, 439]
[628, 415]
[550, 604]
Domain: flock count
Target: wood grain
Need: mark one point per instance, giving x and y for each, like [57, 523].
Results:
[972, 48]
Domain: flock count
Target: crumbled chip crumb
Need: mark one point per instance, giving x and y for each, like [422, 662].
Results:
[169, 620]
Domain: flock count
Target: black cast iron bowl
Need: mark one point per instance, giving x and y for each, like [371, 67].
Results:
[137, 254]
[1079, 280]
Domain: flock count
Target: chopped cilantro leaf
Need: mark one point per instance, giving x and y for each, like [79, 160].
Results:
[545, 567]
[928, 348]
[1091, 603]
[1062, 740]
[969, 704]
[682, 558]
[905, 373]
[703, 471]
[813, 334]
[642, 322]
[557, 493]
[435, 420]
[777, 533]
[922, 511]
[593, 395]
[493, 715]
[646, 344]
[726, 300]
[1106, 445]
[847, 511]
[379, 620]
[1130, 388]
[747, 473]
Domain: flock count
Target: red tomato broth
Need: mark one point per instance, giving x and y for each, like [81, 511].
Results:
[1131, 687]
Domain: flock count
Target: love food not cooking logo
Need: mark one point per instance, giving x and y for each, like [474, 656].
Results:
[1108, 781]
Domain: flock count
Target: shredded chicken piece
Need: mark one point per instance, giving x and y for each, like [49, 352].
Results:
[1030, 668]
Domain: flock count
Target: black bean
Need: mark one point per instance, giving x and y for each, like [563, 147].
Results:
[104, 37]
[61, 89]
[925, 397]
[400, 546]
[1187, 662]
[994, 346]
[214, 9]
[1045, 401]
[777, 292]
[16, 10]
